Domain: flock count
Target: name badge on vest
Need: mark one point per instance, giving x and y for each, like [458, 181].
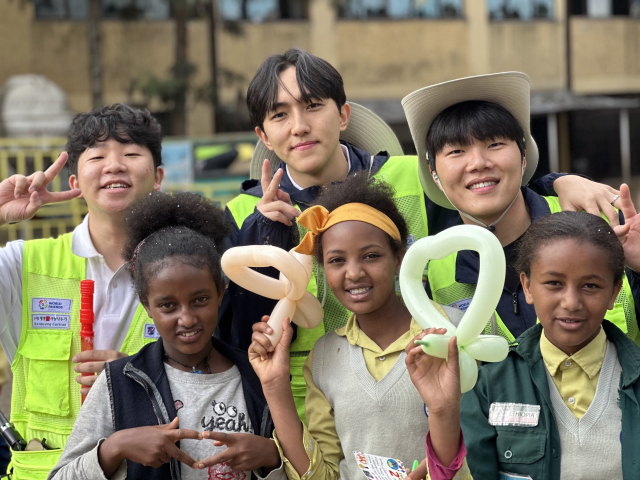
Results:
[53, 305]
[150, 331]
[48, 313]
[514, 415]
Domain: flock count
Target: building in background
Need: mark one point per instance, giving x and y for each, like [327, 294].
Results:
[583, 57]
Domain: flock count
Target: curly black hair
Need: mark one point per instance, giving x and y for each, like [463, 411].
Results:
[369, 191]
[161, 226]
[121, 122]
[579, 226]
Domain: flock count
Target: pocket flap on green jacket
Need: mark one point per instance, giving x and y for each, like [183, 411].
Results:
[47, 345]
[520, 445]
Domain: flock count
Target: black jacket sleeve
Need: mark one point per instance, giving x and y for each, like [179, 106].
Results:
[241, 308]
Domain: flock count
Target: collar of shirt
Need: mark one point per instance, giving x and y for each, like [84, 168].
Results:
[355, 336]
[468, 262]
[345, 151]
[81, 244]
[589, 358]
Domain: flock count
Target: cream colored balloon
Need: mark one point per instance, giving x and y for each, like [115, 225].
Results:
[290, 289]
[471, 346]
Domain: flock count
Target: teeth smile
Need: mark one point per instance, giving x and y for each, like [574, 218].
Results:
[359, 290]
[481, 184]
[188, 334]
[116, 185]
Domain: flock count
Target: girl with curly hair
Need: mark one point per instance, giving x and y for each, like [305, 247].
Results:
[359, 395]
[144, 416]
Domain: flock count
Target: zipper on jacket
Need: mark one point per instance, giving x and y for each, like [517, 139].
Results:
[514, 296]
[175, 473]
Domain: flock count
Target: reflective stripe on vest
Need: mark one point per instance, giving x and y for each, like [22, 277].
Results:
[46, 397]
[446, 291]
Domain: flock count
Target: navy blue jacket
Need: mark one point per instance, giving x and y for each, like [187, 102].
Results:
[141, 396]
[240, 308]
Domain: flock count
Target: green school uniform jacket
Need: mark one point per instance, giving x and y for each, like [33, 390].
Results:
[521, 378]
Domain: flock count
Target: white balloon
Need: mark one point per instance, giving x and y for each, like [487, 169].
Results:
[486, 348]
[290, 289]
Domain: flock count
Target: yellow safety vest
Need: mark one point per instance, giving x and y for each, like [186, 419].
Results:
[46, 398]
[402, 174]
[446, 291]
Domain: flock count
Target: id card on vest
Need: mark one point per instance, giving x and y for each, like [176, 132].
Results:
[51, 313]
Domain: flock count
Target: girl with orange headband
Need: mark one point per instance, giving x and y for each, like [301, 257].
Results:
[359, 395]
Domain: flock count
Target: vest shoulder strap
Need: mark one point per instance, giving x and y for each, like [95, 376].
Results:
[241, 207]
[52, 257]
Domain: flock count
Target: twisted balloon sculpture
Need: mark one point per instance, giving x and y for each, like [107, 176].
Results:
[290, 289]
[471, 346]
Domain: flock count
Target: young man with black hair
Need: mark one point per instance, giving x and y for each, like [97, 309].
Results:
[307, 130]
[114, 156]
[476, 157]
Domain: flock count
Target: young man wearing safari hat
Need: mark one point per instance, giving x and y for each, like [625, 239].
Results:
[476, 156]
[312, 136]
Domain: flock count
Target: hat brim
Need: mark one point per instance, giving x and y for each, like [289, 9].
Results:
[365, 130]
[511, 90]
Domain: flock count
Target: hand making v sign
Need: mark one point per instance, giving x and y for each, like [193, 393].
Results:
[21, 197]
[275, 204]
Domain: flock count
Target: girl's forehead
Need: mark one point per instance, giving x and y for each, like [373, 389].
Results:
[352, 234]
[571, 256]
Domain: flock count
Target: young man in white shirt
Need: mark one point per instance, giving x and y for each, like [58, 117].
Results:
[114, 157]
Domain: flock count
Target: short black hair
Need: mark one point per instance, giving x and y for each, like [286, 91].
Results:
[121, 122]
[184, 225]
[317, 79]
[465, 121]
[369, 191]
[582, 227]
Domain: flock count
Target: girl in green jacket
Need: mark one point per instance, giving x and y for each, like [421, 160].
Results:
[564, 404]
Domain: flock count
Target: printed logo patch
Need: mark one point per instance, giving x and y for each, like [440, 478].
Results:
[462, 304]
[514, 415]
[57, 305]
[50, 321]
[150, 331]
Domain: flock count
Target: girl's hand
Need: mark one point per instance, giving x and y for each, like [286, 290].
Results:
[437, 380]
[270, 363]
[244, 452]
[150, 446]
[629, 233]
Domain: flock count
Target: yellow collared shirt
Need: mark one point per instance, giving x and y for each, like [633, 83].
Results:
[320, 438]
[575, 376]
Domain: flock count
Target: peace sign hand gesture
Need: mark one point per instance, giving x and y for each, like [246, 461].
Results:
[275, 204]
[21, 197]
[629, 233]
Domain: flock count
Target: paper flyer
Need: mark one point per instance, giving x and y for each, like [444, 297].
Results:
[375, 467]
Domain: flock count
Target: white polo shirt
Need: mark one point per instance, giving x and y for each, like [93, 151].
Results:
[114, 301]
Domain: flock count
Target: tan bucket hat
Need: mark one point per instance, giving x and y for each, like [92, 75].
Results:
[365, 130]
[509, 89]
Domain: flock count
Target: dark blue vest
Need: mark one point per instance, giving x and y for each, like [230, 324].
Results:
[141, 396]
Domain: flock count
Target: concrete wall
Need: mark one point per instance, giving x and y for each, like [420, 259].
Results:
[605, 55]
[378, 59]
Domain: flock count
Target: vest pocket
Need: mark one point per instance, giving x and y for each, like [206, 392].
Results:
[34, 465]
[520, 444]
[48, 354]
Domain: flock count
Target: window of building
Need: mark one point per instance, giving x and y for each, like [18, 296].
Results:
[261, 10]
[520, 9]
[605, 8]
[399, 8]
[113, 9]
